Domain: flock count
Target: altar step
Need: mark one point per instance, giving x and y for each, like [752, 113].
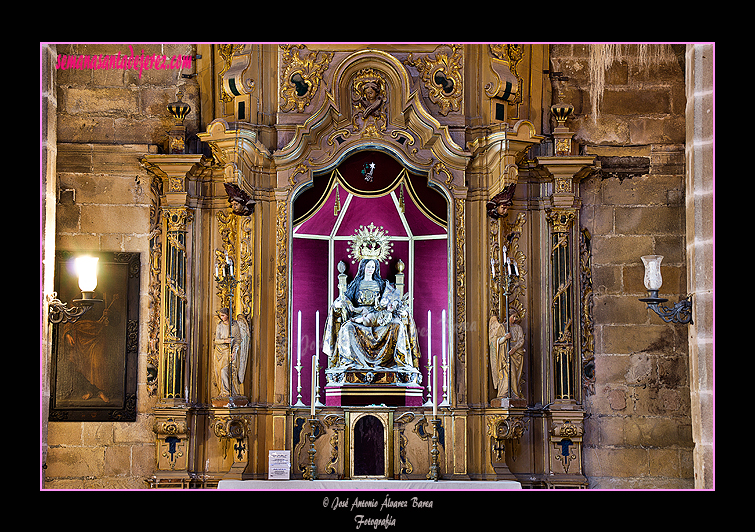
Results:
[349, 394]
[368, 485]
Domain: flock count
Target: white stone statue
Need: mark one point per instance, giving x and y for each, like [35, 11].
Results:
[231, 342]
[499, 361]
[369, 330]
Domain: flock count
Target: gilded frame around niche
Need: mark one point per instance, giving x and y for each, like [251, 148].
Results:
[93, 367]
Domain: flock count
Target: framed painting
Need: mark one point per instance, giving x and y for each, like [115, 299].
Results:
[94, 360]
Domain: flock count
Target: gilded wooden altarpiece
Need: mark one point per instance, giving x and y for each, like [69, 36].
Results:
[331, 105]
[367, 102]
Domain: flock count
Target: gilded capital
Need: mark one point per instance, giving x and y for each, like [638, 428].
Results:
[560, 219]
[177, 218]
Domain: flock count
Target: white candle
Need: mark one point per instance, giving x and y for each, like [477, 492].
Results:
[314, 385]
[429, 333]
[435, 388]
[316, 380]
[443, 335]
[298, 339]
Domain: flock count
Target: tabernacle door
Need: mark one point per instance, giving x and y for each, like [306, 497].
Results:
[370, 443]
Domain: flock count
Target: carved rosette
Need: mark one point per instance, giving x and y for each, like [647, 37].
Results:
[229, 426]
[232, 427]
[505, 426]
[441, 72]
[170, 427]
[301, 74]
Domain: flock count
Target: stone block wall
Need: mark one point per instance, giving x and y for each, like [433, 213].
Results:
[106, 119]
[638, 427]
[700, 253]
[103, 204]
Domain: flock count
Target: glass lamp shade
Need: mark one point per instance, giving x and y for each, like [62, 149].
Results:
[86, 268]
[653, 279]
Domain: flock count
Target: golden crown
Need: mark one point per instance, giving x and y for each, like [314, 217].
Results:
[370, 243]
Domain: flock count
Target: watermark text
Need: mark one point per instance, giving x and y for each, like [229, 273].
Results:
[124, 61]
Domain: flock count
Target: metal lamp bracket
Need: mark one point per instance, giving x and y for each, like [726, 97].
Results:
[681, 312]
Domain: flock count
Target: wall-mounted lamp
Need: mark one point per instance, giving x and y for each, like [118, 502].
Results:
[681, 312]
[86, 268]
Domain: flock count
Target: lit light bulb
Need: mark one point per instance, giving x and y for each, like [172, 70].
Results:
[86, 268]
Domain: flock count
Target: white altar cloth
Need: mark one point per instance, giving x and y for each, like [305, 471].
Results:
[369, 485]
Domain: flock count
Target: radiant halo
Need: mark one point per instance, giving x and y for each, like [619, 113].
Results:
[370, 243]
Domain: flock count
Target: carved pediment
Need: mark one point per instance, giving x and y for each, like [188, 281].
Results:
[372, 101]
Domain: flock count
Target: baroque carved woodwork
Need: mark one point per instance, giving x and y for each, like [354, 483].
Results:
[154, 289]
[172, 443]
[301, 75]
[442, 75]
[587, 325]
[226, 52]
[337, 104]
[369, 97]
[503, 63]
[281, 282]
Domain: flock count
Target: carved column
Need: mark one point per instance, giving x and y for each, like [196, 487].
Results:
[176, 346]
[565, 413]
[175, 343]
[563, 223]
[176, 267]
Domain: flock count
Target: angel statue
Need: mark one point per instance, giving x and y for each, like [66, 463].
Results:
[369, 328]
[506, 367]
[231, 354]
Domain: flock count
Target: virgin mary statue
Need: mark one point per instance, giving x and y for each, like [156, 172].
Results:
[369, 331]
